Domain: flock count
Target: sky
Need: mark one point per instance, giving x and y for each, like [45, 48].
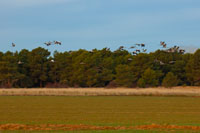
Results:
[90, 24]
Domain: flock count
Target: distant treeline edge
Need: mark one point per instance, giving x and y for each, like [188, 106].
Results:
[98, 68]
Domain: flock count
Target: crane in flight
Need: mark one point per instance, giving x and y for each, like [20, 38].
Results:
[13, 44]
[142, 45]
[121, 48]
[163, 44]
[48, 43]
[57, 42]
[19, 62]
[134, 53]
[137, 44]
[144, 50]
[132, 47]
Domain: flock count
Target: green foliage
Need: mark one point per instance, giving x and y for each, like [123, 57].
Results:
[38, 65]
[170, 80]
[196, 67]
[179, 69]
[8, 70]
[124, 76]
[190, 71]
[139, 64]
[96, 68]
[193, 69]
[148, 79]
[141, 83]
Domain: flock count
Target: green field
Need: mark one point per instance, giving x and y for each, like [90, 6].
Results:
[100, 111]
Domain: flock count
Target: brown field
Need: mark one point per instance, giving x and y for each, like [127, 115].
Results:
[176, 91]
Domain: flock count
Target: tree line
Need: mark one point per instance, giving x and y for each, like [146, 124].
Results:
[98, 68]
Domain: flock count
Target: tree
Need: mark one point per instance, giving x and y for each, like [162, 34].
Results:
[59, 67]
[178, 68]
[193, 69]
[8, 70]
[141, 83]
[97, 68]
[39, 66]
[24, 69]
[139, 64]
[124, 76]
[170, 80]
[148, 79]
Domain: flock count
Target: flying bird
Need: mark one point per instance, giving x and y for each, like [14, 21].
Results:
[160, 62]
[172, 62]
[144, 50]
[170, 50]
[134, 52]
[163, 44]
[137, 44]
[132, 47]
[19, 62]
[130, 59]
[58, 42]
[137, 50]
[121, 47]
[142, 45]
[13, 45]
[82, 63]
[52, 61]
[182, 51]
[48, 43]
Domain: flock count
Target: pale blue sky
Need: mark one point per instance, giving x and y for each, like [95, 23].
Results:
[90, 24]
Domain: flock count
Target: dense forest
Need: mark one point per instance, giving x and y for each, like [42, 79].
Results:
[98, 68]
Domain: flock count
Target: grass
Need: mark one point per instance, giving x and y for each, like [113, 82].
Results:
[100, 111]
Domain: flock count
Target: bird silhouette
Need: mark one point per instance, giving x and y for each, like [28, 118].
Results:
[13, 44]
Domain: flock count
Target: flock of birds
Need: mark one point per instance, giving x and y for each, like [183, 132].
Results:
[139, 48]
[46, 43]
[174, 49]
[54, 42]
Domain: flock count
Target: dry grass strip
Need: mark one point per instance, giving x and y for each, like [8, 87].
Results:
[177, 91]
[51, 127]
